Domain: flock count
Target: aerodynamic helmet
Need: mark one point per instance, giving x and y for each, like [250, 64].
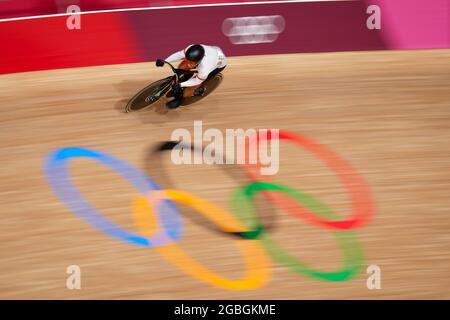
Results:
[195, 53]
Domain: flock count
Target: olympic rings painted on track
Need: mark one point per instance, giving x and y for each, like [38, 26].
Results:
[256, 261]
[352, 252]
[361, 201]
[253, 238]
[59, 179]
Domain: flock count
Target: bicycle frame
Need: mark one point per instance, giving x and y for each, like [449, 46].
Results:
[174, 80]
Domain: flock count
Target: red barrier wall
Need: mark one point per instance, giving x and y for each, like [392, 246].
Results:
[135, 36]
[40, 44]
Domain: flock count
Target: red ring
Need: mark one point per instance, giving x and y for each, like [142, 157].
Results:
[362, 203]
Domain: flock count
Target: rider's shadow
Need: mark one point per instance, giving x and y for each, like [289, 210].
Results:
[126, 90]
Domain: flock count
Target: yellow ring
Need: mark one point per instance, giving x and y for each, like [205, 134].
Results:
[257, 263]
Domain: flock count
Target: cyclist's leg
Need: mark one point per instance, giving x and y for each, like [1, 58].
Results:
[189, 91]
[182, 65]
[176, 101]
[177, 98]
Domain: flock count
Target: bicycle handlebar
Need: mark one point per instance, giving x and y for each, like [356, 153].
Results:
[175, 70]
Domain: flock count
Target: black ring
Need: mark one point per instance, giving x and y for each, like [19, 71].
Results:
[154, 167]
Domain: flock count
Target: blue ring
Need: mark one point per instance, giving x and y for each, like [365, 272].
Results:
[60, 181]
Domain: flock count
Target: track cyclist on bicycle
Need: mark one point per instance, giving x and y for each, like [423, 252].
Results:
[208, 60]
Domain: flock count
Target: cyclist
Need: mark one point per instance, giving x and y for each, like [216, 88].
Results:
[209, 61]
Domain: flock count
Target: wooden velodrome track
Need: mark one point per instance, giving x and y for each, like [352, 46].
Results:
[387, 113]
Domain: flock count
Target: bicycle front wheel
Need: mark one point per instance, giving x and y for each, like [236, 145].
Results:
[149, 95]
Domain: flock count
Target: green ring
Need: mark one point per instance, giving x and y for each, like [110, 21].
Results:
[353, 255]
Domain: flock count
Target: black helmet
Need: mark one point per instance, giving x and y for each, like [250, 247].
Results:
[195, 53]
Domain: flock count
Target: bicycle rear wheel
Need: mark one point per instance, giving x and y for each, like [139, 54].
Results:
[149, 95]
[210, 86]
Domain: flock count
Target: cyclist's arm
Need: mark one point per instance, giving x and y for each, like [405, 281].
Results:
[204, 69]
[176, 56]
[194, 81]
